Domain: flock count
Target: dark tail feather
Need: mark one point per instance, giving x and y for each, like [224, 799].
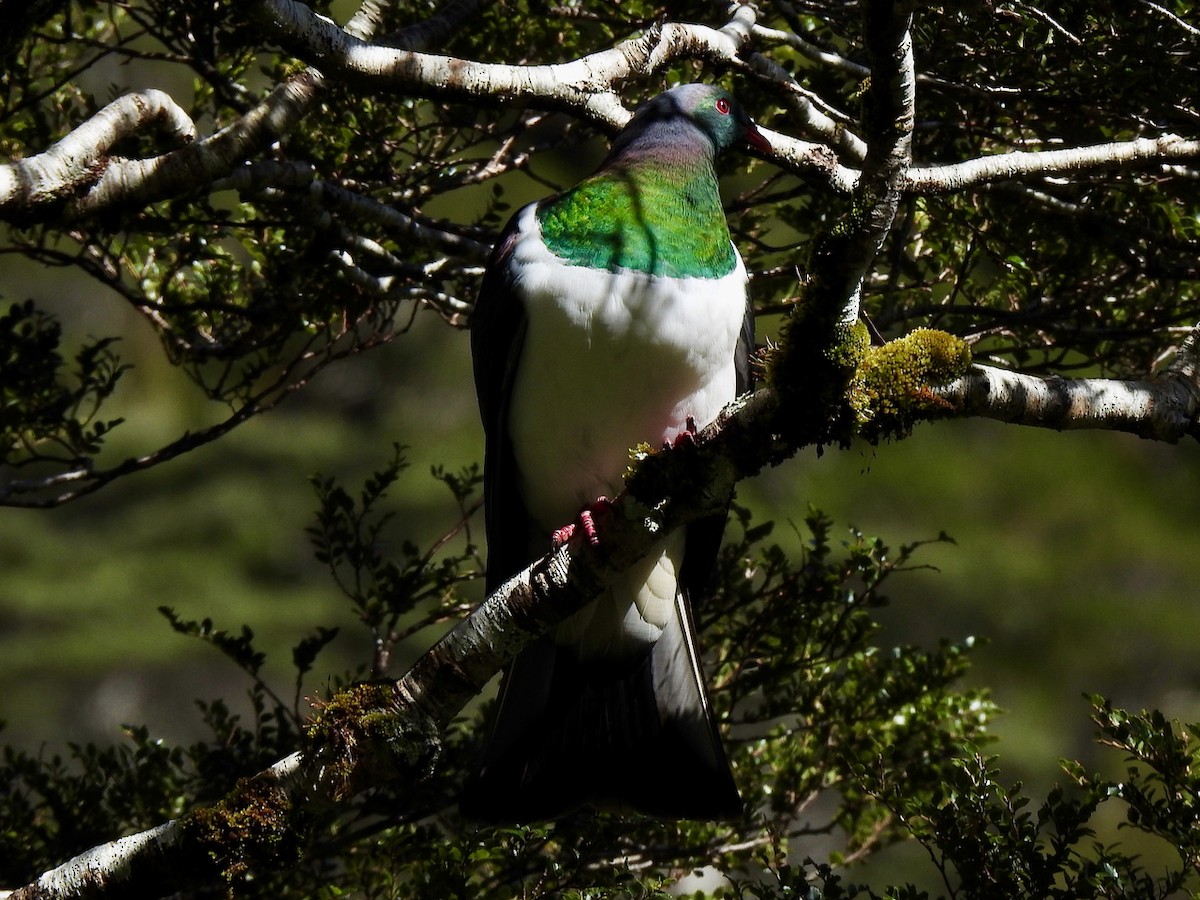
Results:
[635, 737]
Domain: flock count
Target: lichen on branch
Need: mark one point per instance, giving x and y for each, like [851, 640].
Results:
[365, 735]
[839, 387]
[256, 827]
[891, 390]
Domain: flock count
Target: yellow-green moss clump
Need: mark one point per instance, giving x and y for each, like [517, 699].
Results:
[362, 737]
[342, 733]
[890, 392]
[851, 344]
[254, 827]
[834, 385]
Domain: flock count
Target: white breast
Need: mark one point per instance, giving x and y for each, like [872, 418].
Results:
[611, 360]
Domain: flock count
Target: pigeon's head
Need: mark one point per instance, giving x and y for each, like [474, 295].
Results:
[712, 111]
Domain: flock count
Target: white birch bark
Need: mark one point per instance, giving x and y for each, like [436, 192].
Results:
[75, 161]
[951, 177]
[141, 863]
[1163, 407]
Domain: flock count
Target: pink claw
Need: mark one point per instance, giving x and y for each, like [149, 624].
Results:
[589, 527]
[587, 519]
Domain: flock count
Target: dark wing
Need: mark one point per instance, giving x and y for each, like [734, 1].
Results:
[497, 334]
[745, 347]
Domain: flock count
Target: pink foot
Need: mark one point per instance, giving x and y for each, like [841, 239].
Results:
[587, 521]
[685, 438]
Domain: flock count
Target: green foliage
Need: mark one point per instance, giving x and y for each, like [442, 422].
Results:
[1162, 780]
[47, 410]
[837, 742]
[239, 648]
[397, 591]
[54, 807]
[825, 708]
[987, 842]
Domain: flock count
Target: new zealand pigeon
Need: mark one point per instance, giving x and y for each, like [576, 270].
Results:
[610, 315]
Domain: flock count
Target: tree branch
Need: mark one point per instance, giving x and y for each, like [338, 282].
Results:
[78, 161]
[95, 869]
[584, 85]
[817, 344]
[950, 177]
[85, 183]
[163, 860]
[1163, 407]
[833, 132]
[76, 179]
[888, 125]
[77, 171]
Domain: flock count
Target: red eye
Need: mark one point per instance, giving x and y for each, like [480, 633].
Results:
[723, 106]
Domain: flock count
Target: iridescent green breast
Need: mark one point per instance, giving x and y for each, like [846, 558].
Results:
[661, 223]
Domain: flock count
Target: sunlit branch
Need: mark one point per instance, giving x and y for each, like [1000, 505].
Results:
[76, 179]
[809, 118]
[1171, 17]
[951, 177]
[811, 51]
[584, 85]
[1163, 406]
[148, 863]
[78, 160]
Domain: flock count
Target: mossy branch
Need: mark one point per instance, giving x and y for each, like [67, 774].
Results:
[895, 385]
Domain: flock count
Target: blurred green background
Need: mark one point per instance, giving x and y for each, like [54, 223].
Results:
[1074, 564]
